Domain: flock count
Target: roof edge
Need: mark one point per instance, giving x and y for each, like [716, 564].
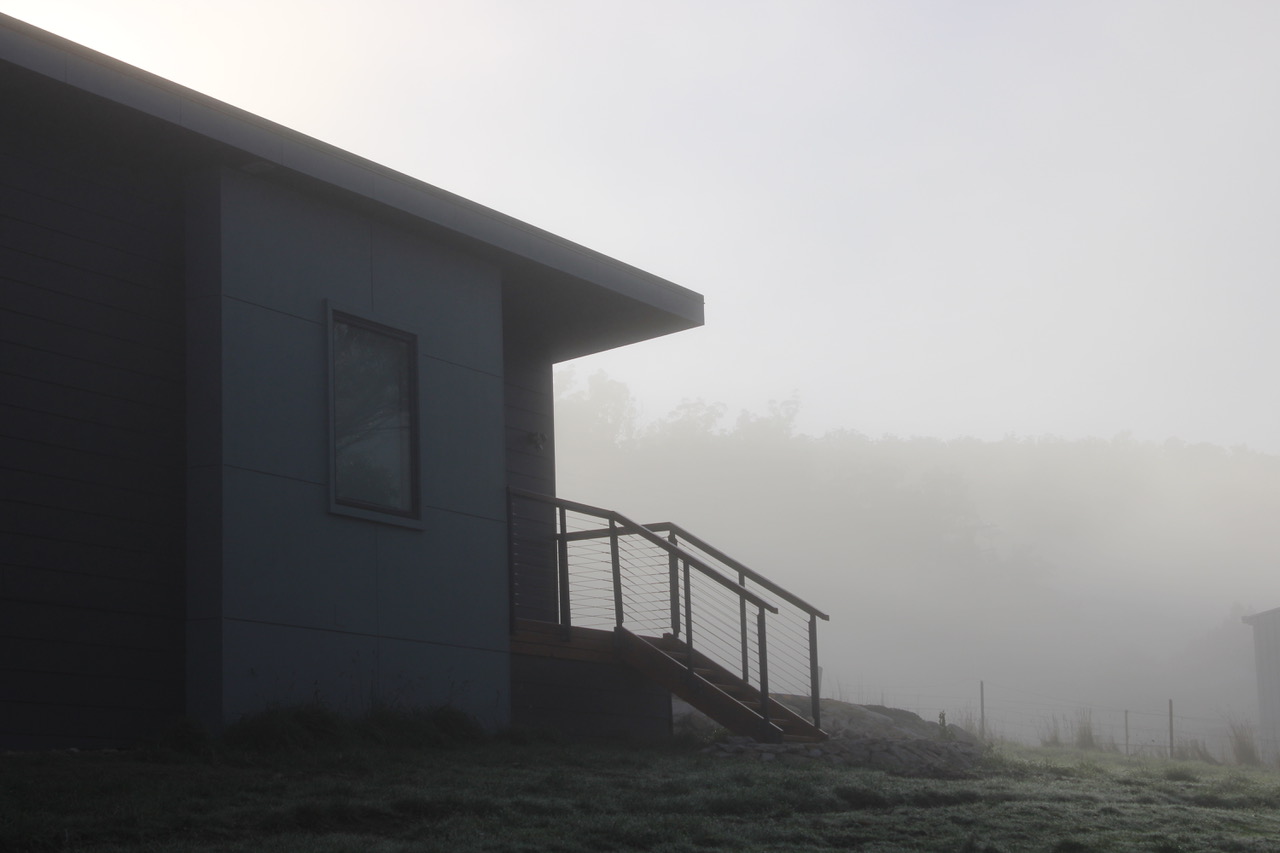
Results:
[40, 51]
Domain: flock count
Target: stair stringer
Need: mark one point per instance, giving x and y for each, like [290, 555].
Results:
[648, 656]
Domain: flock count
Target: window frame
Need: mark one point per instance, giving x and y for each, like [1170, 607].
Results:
[370, 511]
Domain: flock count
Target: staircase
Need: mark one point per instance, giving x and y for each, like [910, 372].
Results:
[713, 690]
[590, 584]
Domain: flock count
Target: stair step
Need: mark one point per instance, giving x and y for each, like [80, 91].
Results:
[735, 689]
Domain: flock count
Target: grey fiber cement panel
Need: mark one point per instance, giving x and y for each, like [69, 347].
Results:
[265, 665]
[463, 445]
[476, 681]
[452, 300]
[288, 252]
[275, 393]
[275, 416]
[445, 584]
[286, 559]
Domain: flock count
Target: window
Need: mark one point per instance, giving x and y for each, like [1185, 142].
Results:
[374, 418]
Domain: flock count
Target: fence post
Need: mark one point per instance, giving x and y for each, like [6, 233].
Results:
[764, 668]
[673, 571]
[566, 621]
[982, 711]
[1126, 731]
[617, 571]
[814, 673]
[742, 618]
[688, 616]
[1171, 730]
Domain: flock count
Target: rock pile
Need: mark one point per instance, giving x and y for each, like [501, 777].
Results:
[887, 739]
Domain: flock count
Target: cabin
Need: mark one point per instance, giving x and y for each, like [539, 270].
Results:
[1266, 647]
[277, 428]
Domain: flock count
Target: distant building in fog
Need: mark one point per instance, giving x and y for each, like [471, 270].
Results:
[1266, 645]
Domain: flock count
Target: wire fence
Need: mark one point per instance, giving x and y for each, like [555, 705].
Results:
[1001, 712]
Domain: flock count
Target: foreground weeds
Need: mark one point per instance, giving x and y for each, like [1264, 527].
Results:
[409, 785]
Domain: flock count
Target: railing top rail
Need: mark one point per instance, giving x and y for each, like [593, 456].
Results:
[760, 579]
[642, 531]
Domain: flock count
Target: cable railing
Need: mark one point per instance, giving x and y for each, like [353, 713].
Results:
[793, 630]
[583, 566]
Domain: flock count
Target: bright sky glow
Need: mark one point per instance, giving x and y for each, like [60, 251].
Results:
[924, 218]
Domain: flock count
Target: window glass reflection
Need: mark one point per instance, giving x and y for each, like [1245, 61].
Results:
[373, 418]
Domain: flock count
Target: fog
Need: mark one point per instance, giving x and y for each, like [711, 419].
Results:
[1064, 574]
[922, 217]
[910, 219]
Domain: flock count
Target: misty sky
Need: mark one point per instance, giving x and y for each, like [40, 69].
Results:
[920, 218]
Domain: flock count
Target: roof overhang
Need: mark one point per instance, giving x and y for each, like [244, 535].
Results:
[561, 300]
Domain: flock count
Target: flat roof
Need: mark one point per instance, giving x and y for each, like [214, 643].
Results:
[545, 260]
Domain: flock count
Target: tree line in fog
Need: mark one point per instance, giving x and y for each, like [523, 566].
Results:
[1090, 565]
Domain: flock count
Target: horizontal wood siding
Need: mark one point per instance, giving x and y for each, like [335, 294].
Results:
[530, 422]
[91, 431]
[586, 699]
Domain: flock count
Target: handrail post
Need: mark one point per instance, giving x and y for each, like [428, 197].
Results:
[815, 674]
[673, 571]
[617, 571]
[742, 619]
[566, 620]
[688, 617]
[764, 668]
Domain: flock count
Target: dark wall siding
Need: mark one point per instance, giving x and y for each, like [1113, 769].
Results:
[587, 700]
[91, 434]
[530, 412]
[529, 403]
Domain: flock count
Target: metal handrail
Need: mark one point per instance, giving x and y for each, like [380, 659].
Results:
[649, 535]
[619, 524]
[789, 597]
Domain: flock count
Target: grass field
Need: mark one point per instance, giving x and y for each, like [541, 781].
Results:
[403, 784]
